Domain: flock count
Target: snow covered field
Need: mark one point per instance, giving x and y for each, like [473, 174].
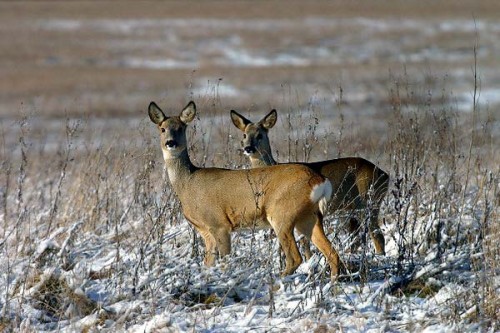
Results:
[93, 240]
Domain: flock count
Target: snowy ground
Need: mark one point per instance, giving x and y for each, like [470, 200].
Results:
[86, 281]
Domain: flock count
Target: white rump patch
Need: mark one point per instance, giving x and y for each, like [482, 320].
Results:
[321, 190]
[322, 193]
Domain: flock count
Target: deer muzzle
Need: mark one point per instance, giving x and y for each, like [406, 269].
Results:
[248, 150]
[171, 144]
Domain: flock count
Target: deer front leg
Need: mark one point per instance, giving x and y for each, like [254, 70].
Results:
[210, 248]
[223, 241]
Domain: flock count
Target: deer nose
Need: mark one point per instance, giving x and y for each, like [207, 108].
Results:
[171, 144]
[249, 150]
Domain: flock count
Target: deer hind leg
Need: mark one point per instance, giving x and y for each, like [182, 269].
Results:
[373, 191]
[305, 229]
[306, 245]
[290, 248]
[375, 233]
[313, 229]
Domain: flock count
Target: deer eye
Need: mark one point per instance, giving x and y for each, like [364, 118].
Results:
[244, 136]
[162, 130]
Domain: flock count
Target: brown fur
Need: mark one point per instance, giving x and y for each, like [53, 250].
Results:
[219, 201]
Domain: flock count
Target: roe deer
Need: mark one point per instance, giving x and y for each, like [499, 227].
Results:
[358, 183]
[218, 201]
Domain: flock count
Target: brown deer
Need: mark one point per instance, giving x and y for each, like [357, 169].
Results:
[218, 201]
[359, 184]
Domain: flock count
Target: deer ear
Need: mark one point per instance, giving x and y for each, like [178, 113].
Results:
[188, 113]
[270, 120]
[155, 113]
[239, 121]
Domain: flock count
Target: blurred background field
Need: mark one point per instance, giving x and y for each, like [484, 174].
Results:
[414, 86]
[107, 58]
[339, 59]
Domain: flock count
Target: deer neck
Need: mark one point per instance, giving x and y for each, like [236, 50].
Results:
[179, 169]
[263, 160]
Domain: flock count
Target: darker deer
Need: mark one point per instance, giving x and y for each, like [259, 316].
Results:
[359, 185]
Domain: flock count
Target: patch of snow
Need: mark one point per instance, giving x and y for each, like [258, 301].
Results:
[157, 63]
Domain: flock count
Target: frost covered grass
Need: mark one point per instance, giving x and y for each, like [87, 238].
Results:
[92, 238]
